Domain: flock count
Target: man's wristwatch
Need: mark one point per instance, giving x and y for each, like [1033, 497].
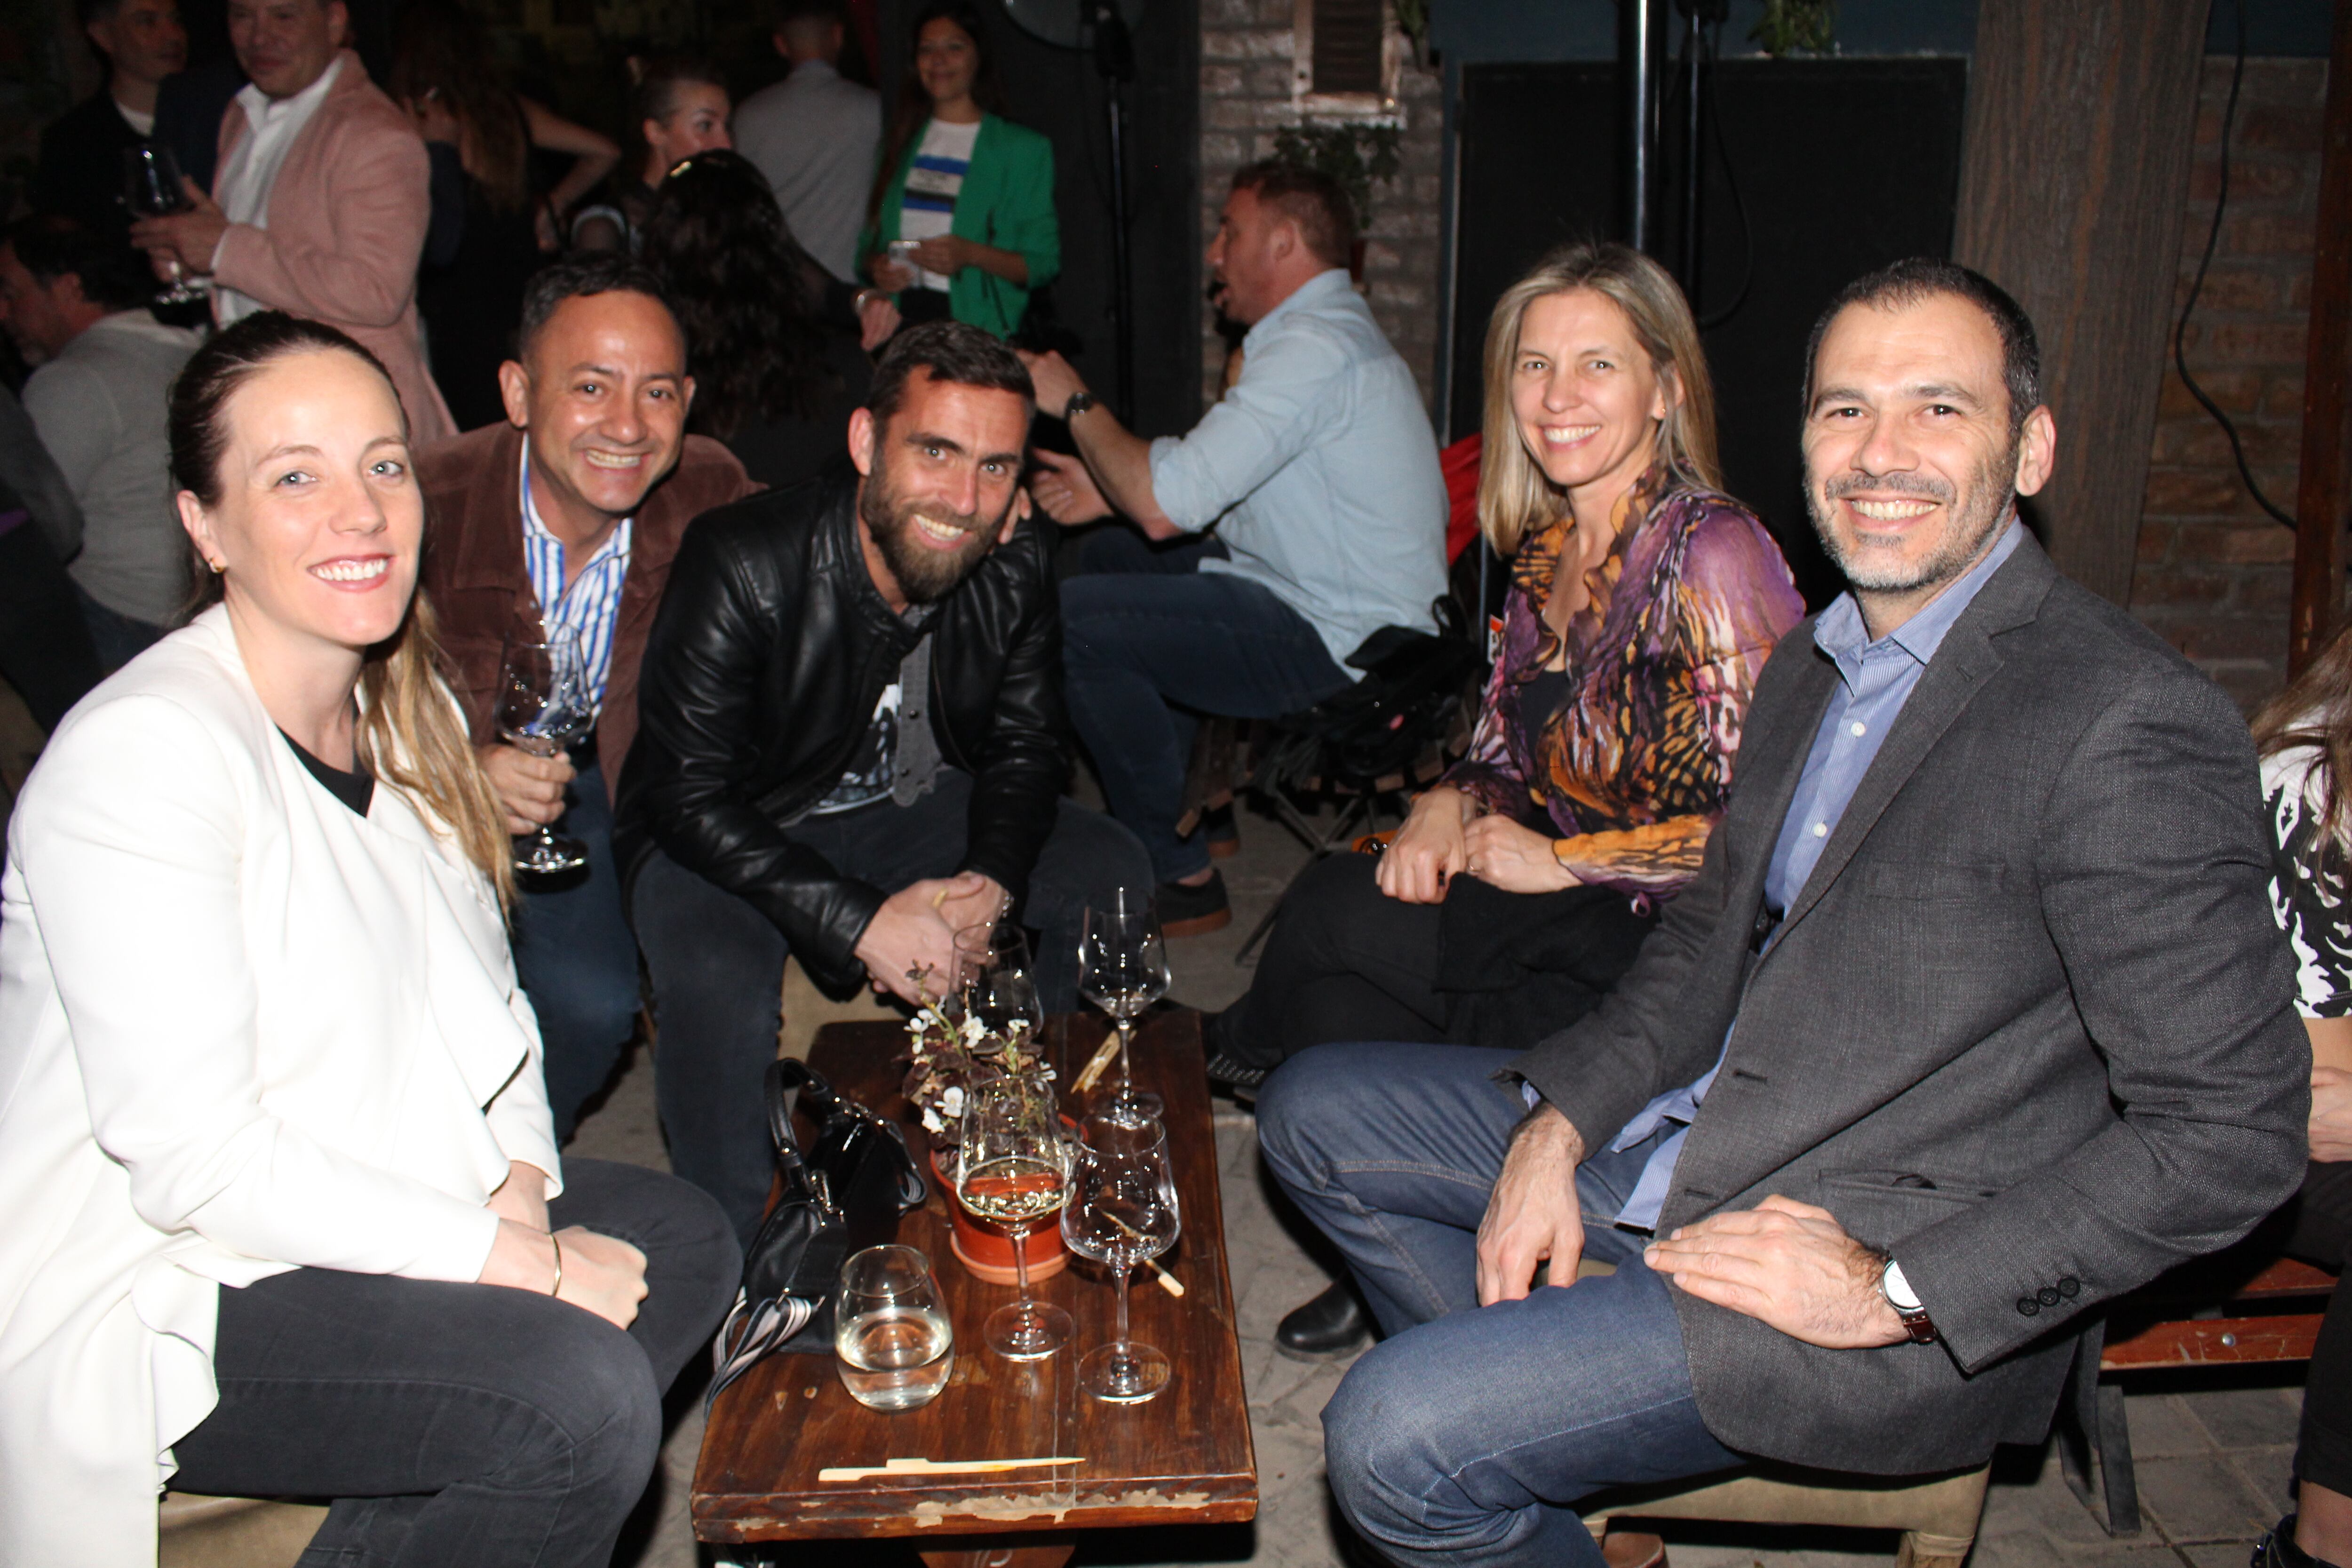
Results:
[1079, 403]
[1906, 1303]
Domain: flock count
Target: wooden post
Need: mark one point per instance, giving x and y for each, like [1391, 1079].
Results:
[2324, 491]
[2074, 185]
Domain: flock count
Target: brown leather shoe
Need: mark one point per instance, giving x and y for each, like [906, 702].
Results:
[1194, 910]
[1633, 1549]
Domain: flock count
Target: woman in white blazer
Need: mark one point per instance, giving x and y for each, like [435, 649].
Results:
[259, 1029]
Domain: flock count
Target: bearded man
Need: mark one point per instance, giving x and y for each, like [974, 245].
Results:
[1973, 1019]
[851, 745]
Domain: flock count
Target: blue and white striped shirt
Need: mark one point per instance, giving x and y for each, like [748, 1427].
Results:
[591, 608]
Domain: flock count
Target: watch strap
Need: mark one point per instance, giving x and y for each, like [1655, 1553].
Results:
[1078, 404]
[1907, 1304]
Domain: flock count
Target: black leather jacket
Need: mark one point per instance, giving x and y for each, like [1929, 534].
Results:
[769, 651]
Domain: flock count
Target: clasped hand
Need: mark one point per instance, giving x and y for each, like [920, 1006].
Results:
[1444, 836]
[908, 947]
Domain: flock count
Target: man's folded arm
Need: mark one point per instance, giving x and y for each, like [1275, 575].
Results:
[2154, 867]
[695, 742]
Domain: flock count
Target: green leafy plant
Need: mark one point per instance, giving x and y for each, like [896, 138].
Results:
[1413, 21]
[1793, 26]
[1355, 156]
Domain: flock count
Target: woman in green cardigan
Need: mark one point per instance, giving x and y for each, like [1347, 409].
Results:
[961, 222]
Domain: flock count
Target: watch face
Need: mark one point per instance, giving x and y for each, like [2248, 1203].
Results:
[1899, 1294]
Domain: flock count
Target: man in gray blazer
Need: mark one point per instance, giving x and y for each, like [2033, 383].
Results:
[1974, 1018]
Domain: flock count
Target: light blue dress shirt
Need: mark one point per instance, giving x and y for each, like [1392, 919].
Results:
[590, 608]
[1319, 471]
[1876, 680]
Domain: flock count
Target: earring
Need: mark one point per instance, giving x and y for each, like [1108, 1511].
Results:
[218, 567]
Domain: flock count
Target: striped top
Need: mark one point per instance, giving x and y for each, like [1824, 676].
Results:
[591, 608]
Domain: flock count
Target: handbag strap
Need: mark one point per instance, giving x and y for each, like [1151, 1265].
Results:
[788, 1073]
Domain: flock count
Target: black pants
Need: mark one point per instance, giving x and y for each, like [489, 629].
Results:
[1346, 961]
[2323, 1231]
[465, 1425]
[45, 646]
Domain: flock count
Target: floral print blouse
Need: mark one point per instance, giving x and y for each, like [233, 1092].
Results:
[1630, 771]
[2308, 894]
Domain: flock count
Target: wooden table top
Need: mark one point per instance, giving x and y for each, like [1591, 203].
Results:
[1181, 1458]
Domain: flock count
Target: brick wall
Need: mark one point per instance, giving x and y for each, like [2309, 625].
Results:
[2214, 569]
[1245, 98]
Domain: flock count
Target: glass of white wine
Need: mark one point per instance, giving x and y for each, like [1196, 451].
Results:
[1013, 1168]
[895, 1346]
[1123, 968]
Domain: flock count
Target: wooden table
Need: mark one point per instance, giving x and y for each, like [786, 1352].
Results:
[1181, 1458]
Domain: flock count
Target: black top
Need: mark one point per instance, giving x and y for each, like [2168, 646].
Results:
[355, 789]
[782, 453]
[469, 289]
[80, 172]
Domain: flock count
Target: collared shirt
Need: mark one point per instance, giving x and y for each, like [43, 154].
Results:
[1319, 471]
[590, 608]
[816, 137]
[243, 189]
[1876, 680]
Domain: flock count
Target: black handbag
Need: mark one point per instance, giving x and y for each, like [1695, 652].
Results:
[847, 1192]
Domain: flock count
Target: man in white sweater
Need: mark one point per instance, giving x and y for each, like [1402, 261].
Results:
[814, 136]
[77, 308]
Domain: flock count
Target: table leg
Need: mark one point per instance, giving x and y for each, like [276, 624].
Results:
[1005, 1552]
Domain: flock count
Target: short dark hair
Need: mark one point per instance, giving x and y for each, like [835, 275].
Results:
[1919, 278]
[950, 351]
[111, 273]
[577, 279]
[89, 12]
[789, 11]
[656, 97]
[1313, 200]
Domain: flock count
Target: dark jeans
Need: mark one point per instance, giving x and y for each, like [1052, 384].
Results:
[1466, 1437]
[2322, 1232]
[577, 959]
[717, 965]
[45, 650]
[1150, 643]
[456, 1424]
[119, 639]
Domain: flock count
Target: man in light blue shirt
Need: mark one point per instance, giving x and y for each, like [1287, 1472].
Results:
[1318, 473]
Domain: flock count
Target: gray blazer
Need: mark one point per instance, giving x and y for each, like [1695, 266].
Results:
[2029, 1026]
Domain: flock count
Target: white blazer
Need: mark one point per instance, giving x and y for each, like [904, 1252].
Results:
[242, 1030]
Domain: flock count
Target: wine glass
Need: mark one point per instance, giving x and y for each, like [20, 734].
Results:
[153, 188]
[1013, 1168]
[896, 1345]
[544, 705]
[998, 989]
[1121, 1212]
[1123, 968]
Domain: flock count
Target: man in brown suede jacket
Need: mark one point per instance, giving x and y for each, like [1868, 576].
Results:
[570, 514]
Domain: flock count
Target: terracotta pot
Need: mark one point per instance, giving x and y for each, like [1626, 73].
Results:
[985, 1249]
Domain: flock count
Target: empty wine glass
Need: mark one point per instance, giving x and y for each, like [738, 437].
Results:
[1013, 1168]
[998, 989]
[544, 705]
[1123, 968]
[153, 188]
[1121, 1212]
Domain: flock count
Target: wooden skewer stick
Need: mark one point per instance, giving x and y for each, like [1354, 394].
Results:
[1096, 1064]
[1168, 1282]
[939, 1466]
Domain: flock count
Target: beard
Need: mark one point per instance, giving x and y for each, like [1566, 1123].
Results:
[1973, 518]
[925, 575]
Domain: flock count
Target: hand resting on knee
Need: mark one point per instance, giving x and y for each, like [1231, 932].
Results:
[600, 1274]
[1533, 1216]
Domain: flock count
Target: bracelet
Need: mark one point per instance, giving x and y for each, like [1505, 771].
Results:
[558, 1286]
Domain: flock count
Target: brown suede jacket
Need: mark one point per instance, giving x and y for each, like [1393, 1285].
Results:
[474, 574]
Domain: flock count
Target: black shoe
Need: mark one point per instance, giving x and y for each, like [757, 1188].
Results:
[1194, 912]
[1332, 1324]
[2278, 1550]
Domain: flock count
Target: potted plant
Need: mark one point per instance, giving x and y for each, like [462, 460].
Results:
[946, 1059]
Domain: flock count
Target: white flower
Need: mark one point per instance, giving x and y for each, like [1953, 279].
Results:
[951, 1103]
[931, 1122]
[974, 1031]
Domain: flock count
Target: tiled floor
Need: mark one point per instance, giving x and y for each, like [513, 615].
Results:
[2212, 1457]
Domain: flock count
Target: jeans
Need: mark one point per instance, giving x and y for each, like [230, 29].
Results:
[717, 965]
[119, 639]
[465, 1425]
[1150, 643]
[1466, 1437]
[577, 960]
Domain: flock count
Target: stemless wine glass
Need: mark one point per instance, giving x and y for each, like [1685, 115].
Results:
[153, 187]
[1123, 968]
[1013, 1168]
[544, 705]
[1121, 1212]
[998, 986]
[895, 1346]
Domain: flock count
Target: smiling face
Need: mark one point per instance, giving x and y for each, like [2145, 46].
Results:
[284, 45]
[318, 518]
[942, 484]
[947, 60]
[1911, 453]
[1245, 256]
[1586, 396]
[603, 394]
[696, 122]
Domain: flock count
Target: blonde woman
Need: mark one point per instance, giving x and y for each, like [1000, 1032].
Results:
[286, 1214]
[1643, 603]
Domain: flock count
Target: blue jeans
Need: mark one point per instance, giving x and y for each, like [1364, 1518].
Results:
[1467, 1435]
[717, 965]
[576, 959]
[1150, 643]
